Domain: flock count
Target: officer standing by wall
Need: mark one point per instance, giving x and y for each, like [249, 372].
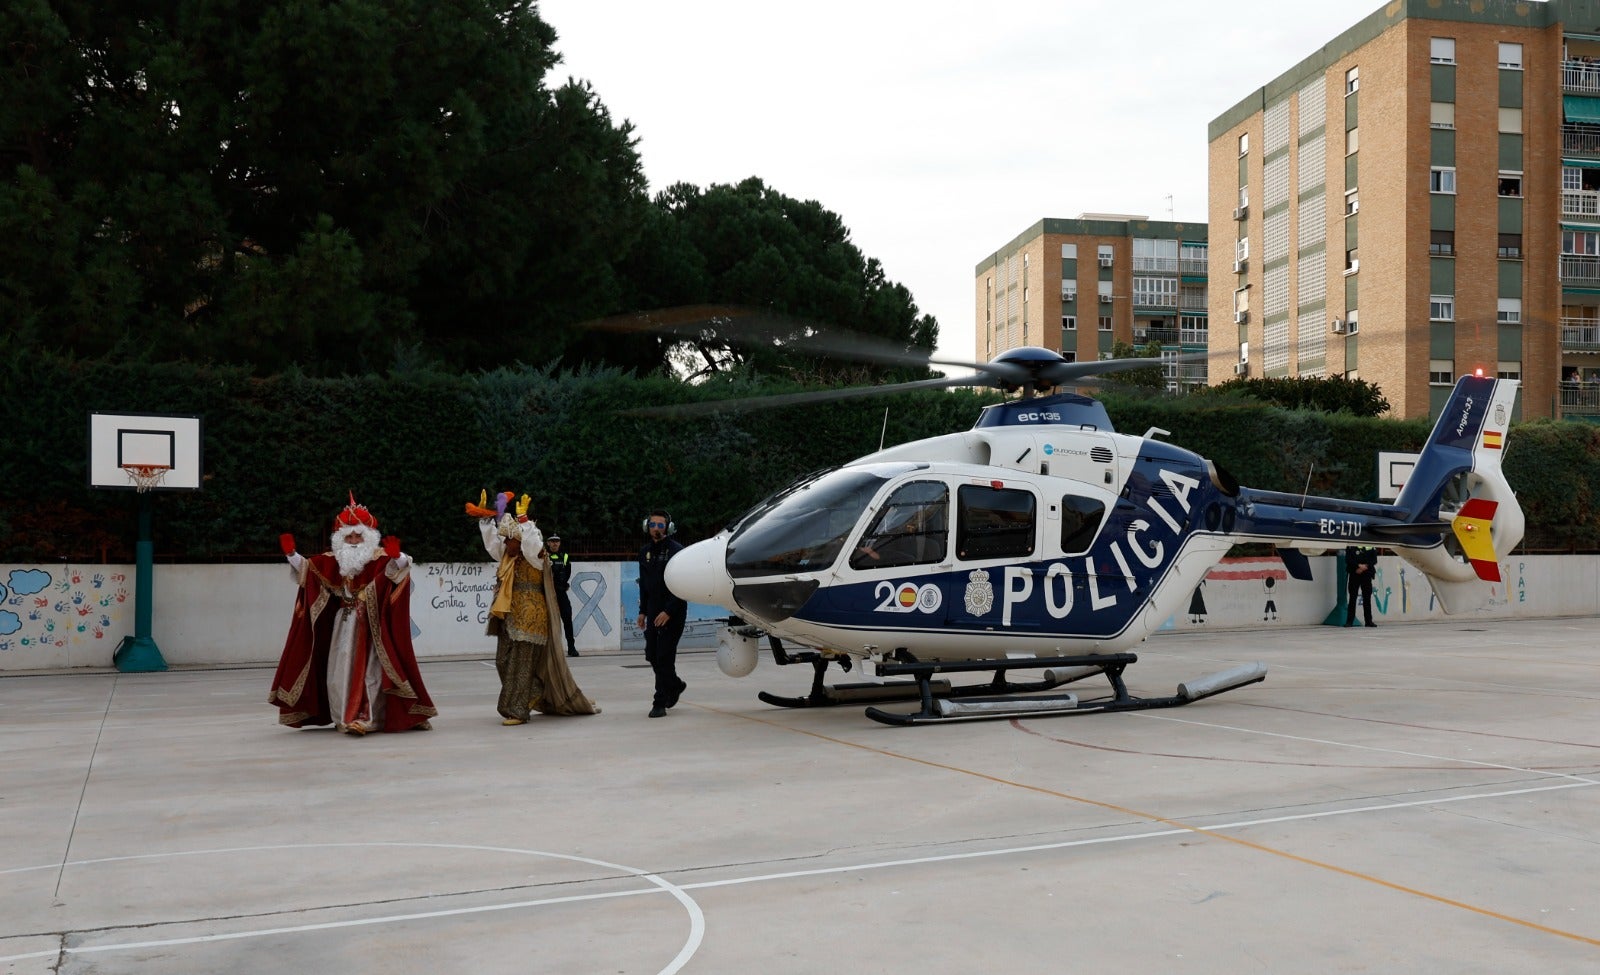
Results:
[561, 575]
[1360, 565]
[661, 614]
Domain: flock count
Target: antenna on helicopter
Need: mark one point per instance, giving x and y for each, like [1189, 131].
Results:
[885, 431]
[1307, 490]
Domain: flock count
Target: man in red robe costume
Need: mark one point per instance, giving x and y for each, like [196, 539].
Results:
[348, 660]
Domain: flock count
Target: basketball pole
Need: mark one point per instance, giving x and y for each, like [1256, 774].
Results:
[139, 653]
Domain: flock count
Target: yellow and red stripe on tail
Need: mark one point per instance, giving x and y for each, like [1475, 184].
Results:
[1471, 526]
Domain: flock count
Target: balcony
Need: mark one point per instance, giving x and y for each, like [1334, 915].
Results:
[1580, 77]
[1580, 203]
[1193, 265]
[1580, 399]
[1580, 270]
[1148, 299]
[1195, 336]
[1168, 265]
[1166, 336]
[1580, 140]
[1580, 334]
[1192, 302]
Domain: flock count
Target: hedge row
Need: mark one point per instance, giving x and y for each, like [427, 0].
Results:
[281, 453]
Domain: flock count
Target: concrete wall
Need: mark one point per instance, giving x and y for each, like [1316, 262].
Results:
[67, 616]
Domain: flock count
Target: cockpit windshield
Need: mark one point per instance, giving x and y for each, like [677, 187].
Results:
[806, 528]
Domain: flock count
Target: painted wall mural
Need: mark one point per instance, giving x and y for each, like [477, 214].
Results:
[50, 607]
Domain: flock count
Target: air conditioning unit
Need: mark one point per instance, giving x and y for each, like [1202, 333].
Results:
[1241, 368]
[1240, 265]
[1241, 317]
[1338, 326]
[1141, 335]
[1239, 213]
[1069, 296]
[1105, 260]
[1105, 299]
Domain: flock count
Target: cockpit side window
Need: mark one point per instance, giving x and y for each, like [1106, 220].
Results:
[912, 528]
[994, 523]
[1080, 522]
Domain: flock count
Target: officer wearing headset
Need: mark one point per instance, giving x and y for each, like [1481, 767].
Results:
[661, 614]
[561, 575]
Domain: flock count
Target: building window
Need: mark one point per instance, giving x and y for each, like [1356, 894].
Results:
[1241, 250]
[1441, 308]
[1442, 50]
[1509, 369]
[1442, 179]
[1442, 115]
[1511, 246]
[1352, 140]
[1510, 184]
[1103, 252]
[1069, 323]
[1509, 312]
[1580, 243]
[1511, 56]
[1352, 81]
[1352, 202]
[1103, 291]
[1352, 260]
[1069, 289]
[1441, 372]
[1511, 120]
[1352, 323]
[1244, 197]
[1442, 243]
[1244, 143]
[1105, 323]
[1069, 252]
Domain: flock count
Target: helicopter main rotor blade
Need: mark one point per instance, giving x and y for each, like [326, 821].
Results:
[747, 326]
[1066, 372]
[747, 404]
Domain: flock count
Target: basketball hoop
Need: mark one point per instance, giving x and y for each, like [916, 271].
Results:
[145, 476]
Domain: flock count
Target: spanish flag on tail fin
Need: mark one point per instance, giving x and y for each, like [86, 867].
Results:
[1472, 529]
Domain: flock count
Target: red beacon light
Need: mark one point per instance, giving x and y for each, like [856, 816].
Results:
[1478, 372]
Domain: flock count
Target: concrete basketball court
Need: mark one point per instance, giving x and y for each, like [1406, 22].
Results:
[1412, 798]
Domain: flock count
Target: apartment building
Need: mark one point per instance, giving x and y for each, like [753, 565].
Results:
[1418, 200]
[1077, 286]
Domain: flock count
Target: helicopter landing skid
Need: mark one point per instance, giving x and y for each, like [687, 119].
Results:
[825, 695]
[945, 709]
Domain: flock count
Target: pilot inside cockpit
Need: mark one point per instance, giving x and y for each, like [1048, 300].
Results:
[912, 528]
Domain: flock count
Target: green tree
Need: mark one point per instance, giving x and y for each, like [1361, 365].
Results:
[282, 182]
[748, 246]
[1151, 380]
[1329, 394]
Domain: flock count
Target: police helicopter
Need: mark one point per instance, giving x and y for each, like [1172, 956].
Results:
[1041, 539]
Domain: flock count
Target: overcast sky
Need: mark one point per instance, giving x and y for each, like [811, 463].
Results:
[938, 131]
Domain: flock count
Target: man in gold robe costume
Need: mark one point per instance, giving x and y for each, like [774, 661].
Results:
[530, 651]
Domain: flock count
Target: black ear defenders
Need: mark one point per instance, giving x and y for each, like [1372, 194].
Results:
[645, 525]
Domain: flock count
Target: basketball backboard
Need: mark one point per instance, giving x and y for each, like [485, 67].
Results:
[119, 439]
[1394, 468]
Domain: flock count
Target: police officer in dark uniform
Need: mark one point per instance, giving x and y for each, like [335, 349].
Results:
[1360, 565]
[561, 575]
[661, 614]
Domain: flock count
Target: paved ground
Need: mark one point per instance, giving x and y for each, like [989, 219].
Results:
[1408, 799]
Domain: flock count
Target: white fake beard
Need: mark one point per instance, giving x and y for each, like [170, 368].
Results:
[353, 558]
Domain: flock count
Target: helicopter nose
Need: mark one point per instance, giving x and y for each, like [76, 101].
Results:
[699, 574]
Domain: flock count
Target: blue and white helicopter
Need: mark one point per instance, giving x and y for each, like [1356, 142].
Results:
[1042, 539]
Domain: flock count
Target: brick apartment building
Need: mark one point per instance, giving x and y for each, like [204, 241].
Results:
[1079, 285]
[1418, 200]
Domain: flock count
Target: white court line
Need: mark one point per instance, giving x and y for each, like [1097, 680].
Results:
[679, 890]
[697, 921]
